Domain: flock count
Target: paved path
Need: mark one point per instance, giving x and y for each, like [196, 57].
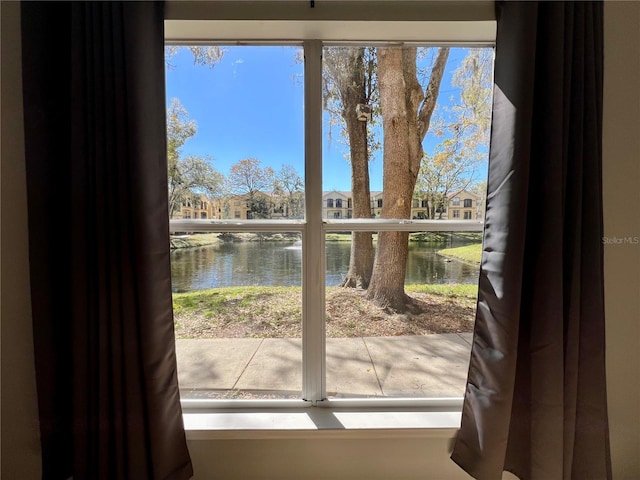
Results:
[413, 366]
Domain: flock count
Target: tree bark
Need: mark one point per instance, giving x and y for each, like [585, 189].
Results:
[405, 123]
[362, 253]
[351, 81]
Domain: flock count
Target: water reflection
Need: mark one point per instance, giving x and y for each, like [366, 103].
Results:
[280, 263]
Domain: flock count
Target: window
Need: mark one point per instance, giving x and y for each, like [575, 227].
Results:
[468, 203]
[467, 215]
[456, 201]
[203, 214]
[289, 317]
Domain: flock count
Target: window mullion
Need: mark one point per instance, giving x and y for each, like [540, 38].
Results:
[313, 264]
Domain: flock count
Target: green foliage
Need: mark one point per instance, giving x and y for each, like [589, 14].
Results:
[464, 129]
[236, 302]
[259, 207]
[443, 174]
[179, 129]
[191, 177]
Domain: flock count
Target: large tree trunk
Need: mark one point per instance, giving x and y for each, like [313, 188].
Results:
[405, 123]
[352, 86]
[361, 259]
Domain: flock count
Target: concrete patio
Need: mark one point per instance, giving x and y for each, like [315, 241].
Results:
[407, 366]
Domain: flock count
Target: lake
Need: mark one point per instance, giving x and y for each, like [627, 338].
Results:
[280, 263]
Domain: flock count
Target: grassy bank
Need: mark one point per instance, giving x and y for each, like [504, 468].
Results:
[469, 253]
[264, 312]
[206, 239]
[194, 240]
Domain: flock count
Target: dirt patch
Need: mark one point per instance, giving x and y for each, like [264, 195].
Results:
[348, 314]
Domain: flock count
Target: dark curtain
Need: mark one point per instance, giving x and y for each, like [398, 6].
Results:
[535, 403]
[93, 78]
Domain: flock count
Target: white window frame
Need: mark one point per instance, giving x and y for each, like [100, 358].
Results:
[222, 26]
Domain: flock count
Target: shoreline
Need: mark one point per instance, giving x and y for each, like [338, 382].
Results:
[198, 240]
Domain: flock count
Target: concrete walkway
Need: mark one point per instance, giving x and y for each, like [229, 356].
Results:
[408, 366]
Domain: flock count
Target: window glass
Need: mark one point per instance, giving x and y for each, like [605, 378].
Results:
[236, 151]
[400, 305]
[398, 301]
[236, 130]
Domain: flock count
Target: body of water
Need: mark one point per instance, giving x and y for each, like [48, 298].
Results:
[280, 263]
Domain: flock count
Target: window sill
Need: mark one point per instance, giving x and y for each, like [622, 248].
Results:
[323, 422]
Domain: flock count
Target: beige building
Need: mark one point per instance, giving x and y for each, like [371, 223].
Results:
[460, 205]
[337, 204]
[464, 205]
[238, 207]
[202, 209]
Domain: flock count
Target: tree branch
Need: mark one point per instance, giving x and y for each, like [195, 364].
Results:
[431, 92]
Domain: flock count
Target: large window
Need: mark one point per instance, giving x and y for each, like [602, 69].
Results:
[282, 300]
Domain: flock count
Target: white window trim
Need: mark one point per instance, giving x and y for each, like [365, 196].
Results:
[262, 418]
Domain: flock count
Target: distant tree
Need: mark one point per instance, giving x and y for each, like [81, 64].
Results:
[479, 188]
[249, 179]
[470, 123]
[288, 187]
[464, 131]
[191, 177]
[259, 207]
[440, 175]
[202, 55]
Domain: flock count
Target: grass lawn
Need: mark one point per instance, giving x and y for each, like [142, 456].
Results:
[275, 312]
[469, 253]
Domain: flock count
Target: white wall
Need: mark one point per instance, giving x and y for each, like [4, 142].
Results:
[20, 442]
[621, 178]
[349, 458]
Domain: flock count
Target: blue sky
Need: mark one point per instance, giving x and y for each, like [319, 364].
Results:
[250, 104]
